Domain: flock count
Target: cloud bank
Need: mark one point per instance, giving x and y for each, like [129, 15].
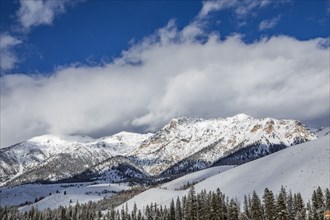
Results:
[168, 75]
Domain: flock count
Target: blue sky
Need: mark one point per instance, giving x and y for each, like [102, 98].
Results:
[91, 31]
[99, 67]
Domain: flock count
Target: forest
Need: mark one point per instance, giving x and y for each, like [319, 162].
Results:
[195, 206]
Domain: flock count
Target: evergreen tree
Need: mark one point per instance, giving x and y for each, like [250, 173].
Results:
[299, 207]
[256, 211]
[247, 207]
[61, 213]
[192, 204]
[139, 217]
[327, 199]
[184, 208]
[269, 204]
[290, 209]
[233, 210]
[281, 210]
[178, 210]
[318, 206]
[172, 211]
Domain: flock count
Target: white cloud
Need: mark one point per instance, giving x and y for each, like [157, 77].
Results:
[31, 13]
[39, 12]
[241, 7]
[169, 75]
[268, 24]
[8, 56]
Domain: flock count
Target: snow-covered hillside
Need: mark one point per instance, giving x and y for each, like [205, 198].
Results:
[190, 140]
[323, 131]
[55, 195]
[300, 168]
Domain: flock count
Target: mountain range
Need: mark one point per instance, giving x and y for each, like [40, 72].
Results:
[181, 146]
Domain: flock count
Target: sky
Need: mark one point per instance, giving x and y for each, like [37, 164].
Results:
[95, 67]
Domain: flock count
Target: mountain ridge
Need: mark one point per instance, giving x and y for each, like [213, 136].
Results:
[201, 142]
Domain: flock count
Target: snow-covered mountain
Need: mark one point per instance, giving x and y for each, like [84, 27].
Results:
[184, 144]
[188, 143]
[301, 168]
[54, 157]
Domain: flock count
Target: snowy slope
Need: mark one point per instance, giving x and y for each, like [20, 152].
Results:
[324, 131]
[207, 140]
[78, 192]
[300, 168]
[82, 195]
[194, 177]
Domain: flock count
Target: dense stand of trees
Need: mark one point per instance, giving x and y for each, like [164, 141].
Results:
[196, 206]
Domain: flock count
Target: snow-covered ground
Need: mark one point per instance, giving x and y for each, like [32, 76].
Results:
[57, 194]
[323, 131]
[300, 168]
[195, 177]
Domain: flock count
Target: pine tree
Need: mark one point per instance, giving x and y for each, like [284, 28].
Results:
[172, 211]
[178, 210]
[269, 204]
[256, 210]
[61, 213]
[148, 213]
[202, 205]
[233, 210]
[281, 210]
[289, 207]
[192, 204]
[215, 207]
[247, 207]
[318, 204]
[327, 199]
[139, 217]
[299, 207]
[134, 211]
[184, 208]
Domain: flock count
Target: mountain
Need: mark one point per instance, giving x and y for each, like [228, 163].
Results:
[56, 157]
[192, 144]
[183, 145]
[300, 168]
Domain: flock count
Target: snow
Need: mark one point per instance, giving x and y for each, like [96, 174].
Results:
[194, 177]
[40, 150]
[77, 192]
[183, 137]
[300, 168]
[323, 131]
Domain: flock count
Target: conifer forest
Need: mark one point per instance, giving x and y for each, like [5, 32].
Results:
[195, 206]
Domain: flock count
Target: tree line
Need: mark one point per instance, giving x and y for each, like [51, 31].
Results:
[195, 206]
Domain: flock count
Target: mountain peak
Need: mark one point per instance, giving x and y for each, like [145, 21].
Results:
[241, 117]
[60, 138]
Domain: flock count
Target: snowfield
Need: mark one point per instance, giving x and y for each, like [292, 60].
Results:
[195, 177]
[300, 168]
[67, 194]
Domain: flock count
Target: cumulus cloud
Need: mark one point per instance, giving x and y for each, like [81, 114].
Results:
[268, 24]
[8, 56]
[168, 75]
[39, 12]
